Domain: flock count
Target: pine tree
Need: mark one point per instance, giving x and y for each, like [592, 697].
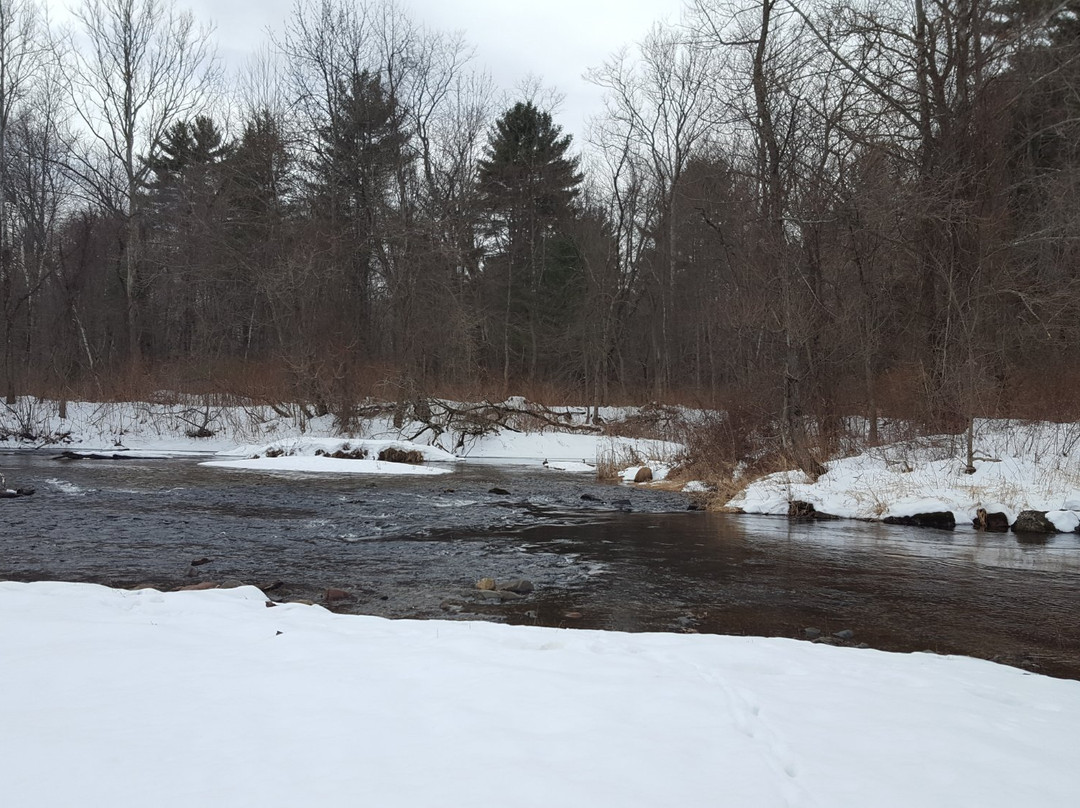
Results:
[528, 185]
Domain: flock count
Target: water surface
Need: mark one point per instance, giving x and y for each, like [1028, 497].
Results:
[601, 556]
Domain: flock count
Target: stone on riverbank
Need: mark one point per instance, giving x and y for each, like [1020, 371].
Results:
[945, 520]
[1033, 522]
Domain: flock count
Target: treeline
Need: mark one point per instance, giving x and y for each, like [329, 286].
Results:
[799, 210]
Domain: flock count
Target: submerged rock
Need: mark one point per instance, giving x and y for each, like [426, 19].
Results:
[520, 586]
[8, 493]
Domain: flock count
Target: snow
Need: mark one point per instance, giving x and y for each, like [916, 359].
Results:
[243, 431]
[311, 447]
[1018, 466]
[659, 471]
[571, 466]
[314, 455]
[213, 698]
[325, 465]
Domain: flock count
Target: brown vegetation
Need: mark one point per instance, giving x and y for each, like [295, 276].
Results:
[795, 219]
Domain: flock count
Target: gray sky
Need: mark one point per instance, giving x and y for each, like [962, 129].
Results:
[557, 40]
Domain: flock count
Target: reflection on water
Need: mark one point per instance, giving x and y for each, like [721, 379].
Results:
[407, 547]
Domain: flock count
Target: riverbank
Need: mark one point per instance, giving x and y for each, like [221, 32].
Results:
[1018, 466]
[212, 697]
[606, 440]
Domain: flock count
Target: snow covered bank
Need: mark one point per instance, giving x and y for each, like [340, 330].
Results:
[241, 432]
[1018, 466]
[212, 698]
[337, 456]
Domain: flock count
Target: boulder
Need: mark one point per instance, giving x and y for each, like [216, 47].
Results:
[486, 584]
[995, 522]
[500, 492]
[1033, 522]
[644, 475]
[939, 519]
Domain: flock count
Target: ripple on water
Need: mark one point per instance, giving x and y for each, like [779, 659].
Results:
[66, 487]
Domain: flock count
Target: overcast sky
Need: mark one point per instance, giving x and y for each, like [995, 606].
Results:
[557, 40]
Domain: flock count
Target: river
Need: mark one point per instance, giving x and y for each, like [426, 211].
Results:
[600, 556]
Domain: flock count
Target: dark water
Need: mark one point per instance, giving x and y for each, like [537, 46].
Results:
[626, 559]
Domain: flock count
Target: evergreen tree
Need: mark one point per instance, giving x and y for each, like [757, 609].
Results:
[360, 151]
[528, 185]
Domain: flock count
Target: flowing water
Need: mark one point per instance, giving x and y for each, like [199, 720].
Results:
[600, 556]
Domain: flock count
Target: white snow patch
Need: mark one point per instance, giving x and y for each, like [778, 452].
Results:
[212, 698]
[1018, 466]
[660, 471]
[1064, 521]
[325, 465]
[571, 465]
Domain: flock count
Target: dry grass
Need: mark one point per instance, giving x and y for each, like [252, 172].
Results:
[613, 458]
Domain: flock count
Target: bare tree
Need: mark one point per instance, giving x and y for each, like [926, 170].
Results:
[23, 54]
[659, 106]
[144, 66]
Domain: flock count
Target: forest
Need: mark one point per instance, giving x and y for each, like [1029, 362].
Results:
[797, 212]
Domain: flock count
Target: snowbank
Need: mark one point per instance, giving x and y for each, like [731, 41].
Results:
[212, 698]
[1018, 466]
[240, 432]
[355, 456]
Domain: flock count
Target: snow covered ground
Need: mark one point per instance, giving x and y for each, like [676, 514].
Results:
[1018, 466]
[240, 433]
[111, 697]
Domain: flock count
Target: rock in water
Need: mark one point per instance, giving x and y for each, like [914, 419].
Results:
[995, 522]
[486, 584]
[1033, 522]
[939, 519]
[521, 587]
